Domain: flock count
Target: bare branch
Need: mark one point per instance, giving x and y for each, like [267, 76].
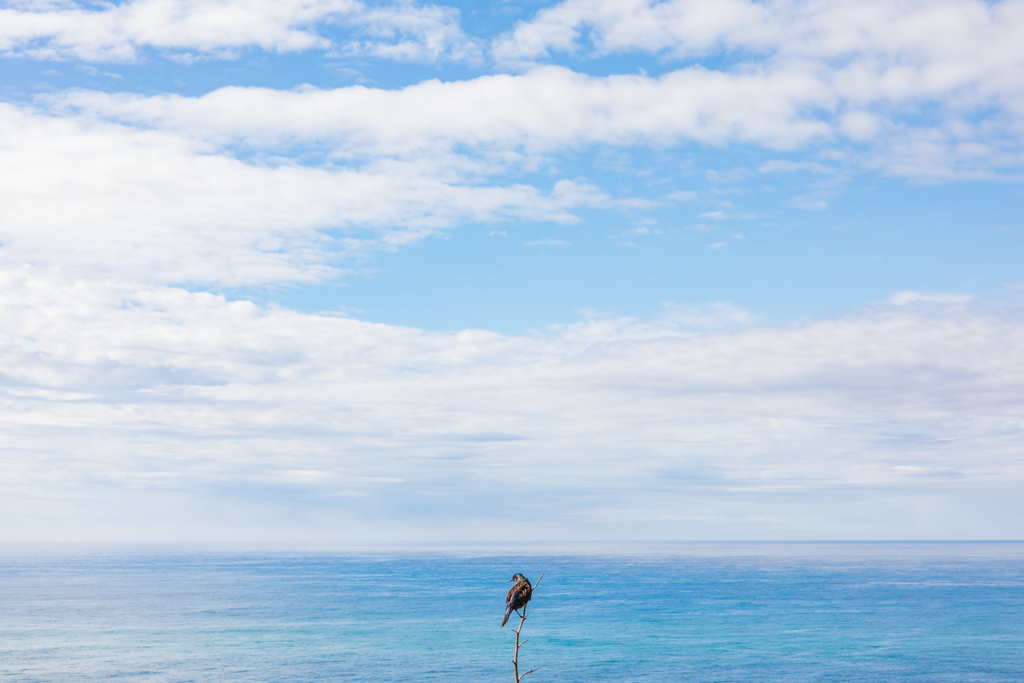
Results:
[522, 620]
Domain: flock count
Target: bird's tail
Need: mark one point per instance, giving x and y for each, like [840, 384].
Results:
[504, 621]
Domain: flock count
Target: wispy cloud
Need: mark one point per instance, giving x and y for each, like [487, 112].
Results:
[903, 298]
[794, 166]
[809, 203]
[711, 316]
[641, 231]
[219, 29]
[163, 206]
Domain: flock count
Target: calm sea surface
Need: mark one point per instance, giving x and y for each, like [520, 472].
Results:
[759, 612]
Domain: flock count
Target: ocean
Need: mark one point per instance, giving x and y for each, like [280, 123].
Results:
[660, 612]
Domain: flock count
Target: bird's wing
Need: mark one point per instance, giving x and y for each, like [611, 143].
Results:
[518, 595]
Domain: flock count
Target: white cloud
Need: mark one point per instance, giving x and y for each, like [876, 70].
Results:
[904, 298]
[730, 176]
[231, 419]
[548, 109]
[858, 125]
[405, 32]
[547, 242]
[219, 28]
[808, 203]
[712, 316]
[876, 66]
[776, 166]
[640, 232]
[894, 49]
[683, 28]
[154, 206]
[516, 119]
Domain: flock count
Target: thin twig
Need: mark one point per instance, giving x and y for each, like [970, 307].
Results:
[515, 658]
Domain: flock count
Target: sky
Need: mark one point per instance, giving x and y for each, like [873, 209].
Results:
[343, 273]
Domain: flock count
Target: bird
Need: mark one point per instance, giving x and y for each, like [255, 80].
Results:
[517, 596]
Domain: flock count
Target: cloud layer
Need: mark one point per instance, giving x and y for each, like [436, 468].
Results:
[610, 428]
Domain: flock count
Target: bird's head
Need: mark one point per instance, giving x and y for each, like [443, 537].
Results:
[517, 578]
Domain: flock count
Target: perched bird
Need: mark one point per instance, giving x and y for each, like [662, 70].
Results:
[517, 596]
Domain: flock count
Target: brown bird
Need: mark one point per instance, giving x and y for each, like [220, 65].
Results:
[518, 596]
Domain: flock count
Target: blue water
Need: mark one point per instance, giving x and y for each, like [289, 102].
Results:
[769, 612]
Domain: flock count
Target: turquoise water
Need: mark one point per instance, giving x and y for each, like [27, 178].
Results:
[766, 612]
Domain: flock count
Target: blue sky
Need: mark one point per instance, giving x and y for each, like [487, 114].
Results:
[346, 272]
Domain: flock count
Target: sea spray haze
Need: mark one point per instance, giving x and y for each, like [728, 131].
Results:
[765, 612]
